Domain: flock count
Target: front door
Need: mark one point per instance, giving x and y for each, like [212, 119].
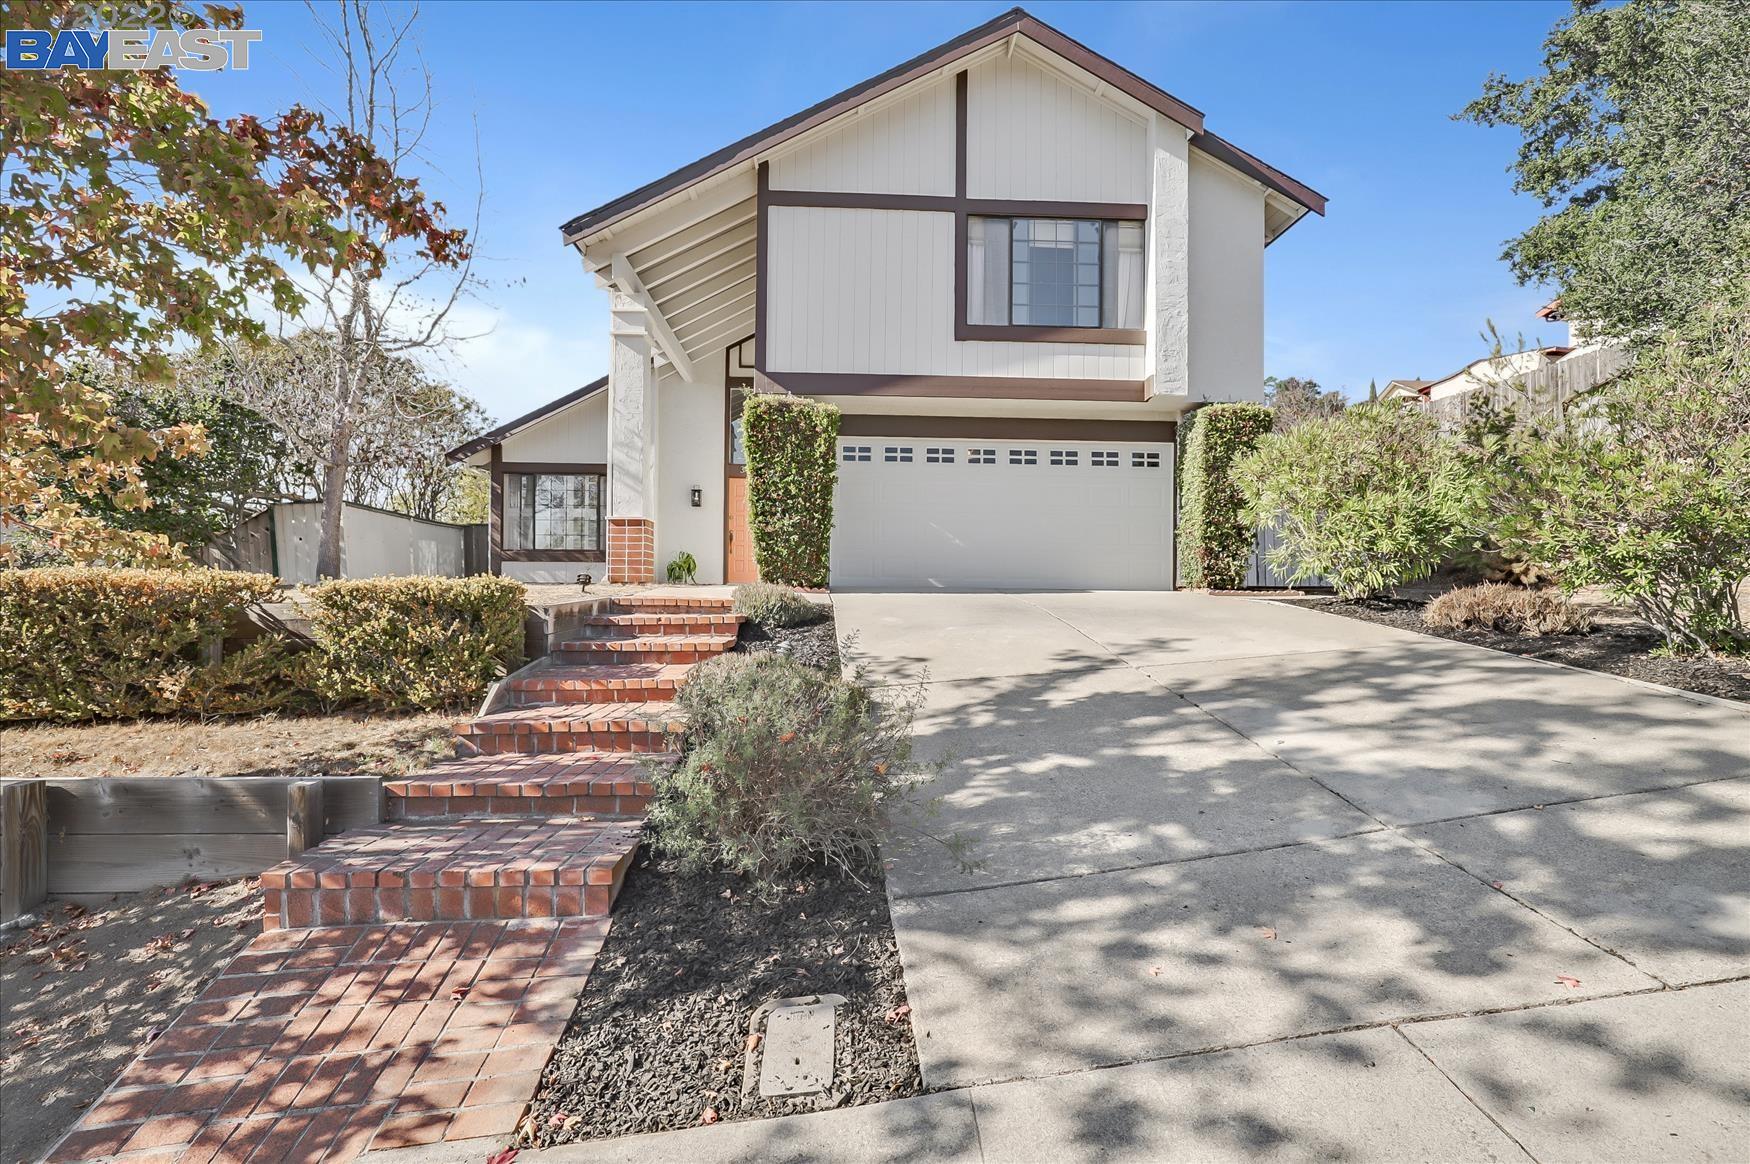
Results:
[738, 560]
[737, 541]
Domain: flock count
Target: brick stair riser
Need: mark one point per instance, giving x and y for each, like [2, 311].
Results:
[542, 693]
[447, 895]
[654, 605]
[566, 740]
[428, 807]
[660, 625]
[587, 652]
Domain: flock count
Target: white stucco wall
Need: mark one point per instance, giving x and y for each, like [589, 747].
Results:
[1226, 257]
[690, 453]
[372, 544]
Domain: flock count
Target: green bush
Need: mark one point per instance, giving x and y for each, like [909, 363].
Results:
[1215, 535]
[414, 642]
[96, 643]
[1514, 610]
[792, 465]
[1370, 498]
[1644, 490]
[775, 606]
[784, 764]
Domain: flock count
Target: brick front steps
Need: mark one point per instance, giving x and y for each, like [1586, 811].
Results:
[656, 648]
[574, 727]
[318, 1044]
[455, 871]
[567, 783]
[601, 683]
[415, 976]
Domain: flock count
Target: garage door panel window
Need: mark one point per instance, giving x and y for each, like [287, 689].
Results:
[857, 452]
[552, 511]
[981, 456]
[1054, 272]
[1065, 457]
[1023, 456]
[939, 456]
[895, 453]
[1102, 459]
[1145, 460]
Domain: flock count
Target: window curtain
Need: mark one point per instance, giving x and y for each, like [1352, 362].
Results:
[1121, 270]
[987, 270]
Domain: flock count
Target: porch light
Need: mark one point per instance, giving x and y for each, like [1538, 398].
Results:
[698, 497]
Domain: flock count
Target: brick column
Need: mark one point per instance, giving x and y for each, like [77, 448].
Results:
[631, 549]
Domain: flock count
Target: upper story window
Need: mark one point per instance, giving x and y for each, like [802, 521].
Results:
[1054, 272]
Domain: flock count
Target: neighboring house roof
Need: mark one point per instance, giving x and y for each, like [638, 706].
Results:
[1408, 387]
[1552, 310]
[487, 440]
[1013, 22]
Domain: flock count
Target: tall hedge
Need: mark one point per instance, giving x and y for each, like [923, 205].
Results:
[414, 642]
[91, 643]
[1215, 537]
[792, 465]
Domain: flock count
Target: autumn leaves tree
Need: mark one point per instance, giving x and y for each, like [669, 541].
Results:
[132, 221]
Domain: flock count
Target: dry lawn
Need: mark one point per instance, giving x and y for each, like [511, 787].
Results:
[259, 746]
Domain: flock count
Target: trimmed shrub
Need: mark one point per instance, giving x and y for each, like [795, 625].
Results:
[775, 606]
[1371, 497]
[1215, 534]
[96, 643]
[784, 764]
[1513, 610]
[792, 465]
[414, 642]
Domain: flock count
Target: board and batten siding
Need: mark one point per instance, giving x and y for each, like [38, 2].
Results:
[575, 435]
[872, 291]
[1032, 134]
[905, 146]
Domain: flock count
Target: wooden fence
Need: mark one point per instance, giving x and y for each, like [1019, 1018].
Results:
[1547, 392]
[97, 836]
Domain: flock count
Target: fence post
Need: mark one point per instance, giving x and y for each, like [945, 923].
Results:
[24, 846]
[303, 817]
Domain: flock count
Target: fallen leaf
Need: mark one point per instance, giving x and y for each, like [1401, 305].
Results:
[504, 1157]
[557, 1119]
[572, 1124]
[1495, 885]
[1267, 933]
[458, 994]
[899, 1013]
[1570, 983]
[708, 1116]
[753, 1041]
[1154, 971]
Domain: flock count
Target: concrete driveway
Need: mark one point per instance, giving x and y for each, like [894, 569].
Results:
[1302, 886]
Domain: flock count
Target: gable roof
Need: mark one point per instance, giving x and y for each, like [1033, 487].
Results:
[1015, 20]
[488, 439]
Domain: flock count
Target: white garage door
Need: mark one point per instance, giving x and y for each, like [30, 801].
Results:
[916, 512]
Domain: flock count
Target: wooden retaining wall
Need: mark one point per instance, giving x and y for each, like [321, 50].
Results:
[106, 835]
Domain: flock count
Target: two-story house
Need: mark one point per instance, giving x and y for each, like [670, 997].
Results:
[1012, 264]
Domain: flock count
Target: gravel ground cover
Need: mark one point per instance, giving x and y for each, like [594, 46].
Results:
[659, 1035]
[1619, 645]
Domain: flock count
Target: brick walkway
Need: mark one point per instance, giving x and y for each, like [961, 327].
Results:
[416, 976]
[317, 1044]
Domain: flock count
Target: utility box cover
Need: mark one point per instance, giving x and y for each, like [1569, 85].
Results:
[796, 1056]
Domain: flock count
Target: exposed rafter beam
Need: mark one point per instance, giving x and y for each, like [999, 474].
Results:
[627, 280]
[656, 274]
[698, 316]
[728, 330]
[675, 305]
[658, 222]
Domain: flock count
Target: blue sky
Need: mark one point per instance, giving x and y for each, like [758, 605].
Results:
[578, 103]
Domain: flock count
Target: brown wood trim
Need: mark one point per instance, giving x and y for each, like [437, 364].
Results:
[1037, 333]
[1007, 428]
[861, 200]
[762, 215]
[964, 387]
[555, 468]
[961, 223]
[495, 511]
[1037, 208]
[961, 82]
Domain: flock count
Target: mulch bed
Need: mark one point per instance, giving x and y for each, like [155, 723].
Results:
[658, 1038]
[86, 989]
[1617, 647]
[816, 644]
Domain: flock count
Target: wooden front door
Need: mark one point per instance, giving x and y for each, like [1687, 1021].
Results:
[739, 565]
